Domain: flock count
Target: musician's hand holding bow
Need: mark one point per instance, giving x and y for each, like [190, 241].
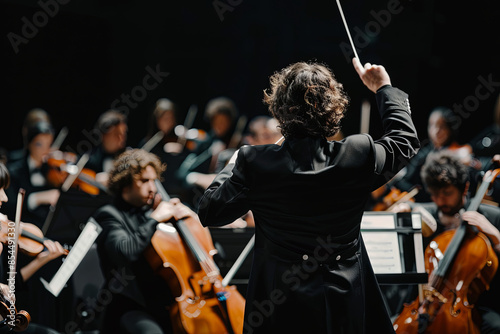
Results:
[476, 219]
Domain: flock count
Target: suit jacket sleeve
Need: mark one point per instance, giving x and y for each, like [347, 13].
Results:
[399, 142]
[223, 201]
[120, 244]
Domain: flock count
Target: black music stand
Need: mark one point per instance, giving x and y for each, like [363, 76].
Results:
[71, 213]
[395, 246]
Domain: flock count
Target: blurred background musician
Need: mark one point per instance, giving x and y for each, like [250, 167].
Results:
[110, 135]
[442, 132]
[170, 148]
[32, 117]
[30, 173]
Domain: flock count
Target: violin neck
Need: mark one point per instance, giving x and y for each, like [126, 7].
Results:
[481, 191]
[32, 236]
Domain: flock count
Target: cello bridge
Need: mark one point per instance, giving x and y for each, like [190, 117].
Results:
[431, 293]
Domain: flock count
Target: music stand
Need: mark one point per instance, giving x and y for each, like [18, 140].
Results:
[71, 213]
[395, 246]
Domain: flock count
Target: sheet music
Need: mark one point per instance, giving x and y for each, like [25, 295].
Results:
[80, 248]
[378, 221]
[383, 251]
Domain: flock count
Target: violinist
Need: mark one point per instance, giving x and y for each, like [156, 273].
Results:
[138, 304]
[310, 271]
[30, 173]
[446, 178]
[110, 135]
[170, 149]
[221, 113]
[53, 250]
[442, 130]
[32, 117]
[164, 119]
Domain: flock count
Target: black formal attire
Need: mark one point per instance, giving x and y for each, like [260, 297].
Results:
[310, 271]
[487, 305]
[100, 160]
[138, 294]
[22, 175]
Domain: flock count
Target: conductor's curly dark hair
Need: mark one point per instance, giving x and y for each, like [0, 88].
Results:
[307, 100]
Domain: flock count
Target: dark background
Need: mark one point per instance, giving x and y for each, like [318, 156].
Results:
[91, 52]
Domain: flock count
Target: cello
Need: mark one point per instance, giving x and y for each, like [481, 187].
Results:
[461, 263]
[182, 253]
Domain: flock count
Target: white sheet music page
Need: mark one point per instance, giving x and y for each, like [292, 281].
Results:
[80, 248]
[382, 246]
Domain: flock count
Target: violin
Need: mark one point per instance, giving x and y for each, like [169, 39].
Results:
[10, 317]
[181, 252]
[61, 165]
[190, 138]
[21, 318]
[456, 279]
[394, 197]
[30, 240]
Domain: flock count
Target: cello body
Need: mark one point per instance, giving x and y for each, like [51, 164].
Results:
[448, 306]
[202, 304]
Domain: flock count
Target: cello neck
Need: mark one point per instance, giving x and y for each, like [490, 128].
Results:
[201, 256]
[447, 261]
[489, 177]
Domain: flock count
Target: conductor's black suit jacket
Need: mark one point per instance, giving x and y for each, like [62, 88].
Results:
[310, 271]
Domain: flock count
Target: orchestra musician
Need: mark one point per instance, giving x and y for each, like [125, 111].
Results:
[32, 117]
[164, 119]
[53, 250]
[442, 130]
[30, 173]
[221, 113]
[110, 135]
[170, 149]
[446, 178]
[310, 270]
[138, 305]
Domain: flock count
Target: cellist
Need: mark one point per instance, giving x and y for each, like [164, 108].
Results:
[139, 296]
[446, 179]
